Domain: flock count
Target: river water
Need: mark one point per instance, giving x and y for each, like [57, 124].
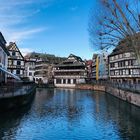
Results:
[67, 114]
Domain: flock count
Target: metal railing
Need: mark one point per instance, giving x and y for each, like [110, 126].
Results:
[124, 86]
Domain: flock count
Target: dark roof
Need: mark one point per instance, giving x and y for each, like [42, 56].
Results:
[52, 59]
[77, 61]
[125, 45]
[3, 44]
[76, 57]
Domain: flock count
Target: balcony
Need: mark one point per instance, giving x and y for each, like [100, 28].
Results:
[70, 70]
[125, 75]
[69, 76]
[16, 67]
[125, 67]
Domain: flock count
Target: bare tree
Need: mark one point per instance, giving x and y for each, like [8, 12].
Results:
[116, 21]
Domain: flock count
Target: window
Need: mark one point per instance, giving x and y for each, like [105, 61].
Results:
[127, 54]
[126, 72]
[17, 71]
[13, 53]
[30, 73]
[112, 57]
[119, 64]
[58, 81]
[69, 81]
[116, 56]
[116, 72]
[18, 62]
[120, 55]
[116, 65]
[129, 72]
[112, 73]
[123, 63]
[112, 65]
[123, 72]
[64, 81]
[74, 81]
[126, 63]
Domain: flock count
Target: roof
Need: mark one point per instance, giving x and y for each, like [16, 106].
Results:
[3, 44]
[125, 45]
[11, 45]
[89, 62]
[72, 60]
[52, 59]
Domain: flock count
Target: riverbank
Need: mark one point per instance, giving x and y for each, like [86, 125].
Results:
[130, 97]
[17, 98]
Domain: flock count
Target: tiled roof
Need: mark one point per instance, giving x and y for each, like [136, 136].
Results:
[126, 45]
[77, 61]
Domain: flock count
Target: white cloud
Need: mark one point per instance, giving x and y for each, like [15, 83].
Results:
[24, 51]
[15, 18]
[17, 36]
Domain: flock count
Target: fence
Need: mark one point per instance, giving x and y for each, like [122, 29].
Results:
[124, 86]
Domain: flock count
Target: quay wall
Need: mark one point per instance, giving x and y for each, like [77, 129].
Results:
[127, 96]
[7, 103]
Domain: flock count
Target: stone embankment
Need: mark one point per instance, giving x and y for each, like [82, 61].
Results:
[18, 98]
[91, 87]
[127, 96]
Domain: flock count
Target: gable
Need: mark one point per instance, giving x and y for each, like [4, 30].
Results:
[13, 48]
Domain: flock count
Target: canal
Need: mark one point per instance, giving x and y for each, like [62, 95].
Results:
[67, 114]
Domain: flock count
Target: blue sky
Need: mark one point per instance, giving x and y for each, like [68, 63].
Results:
[50, 26]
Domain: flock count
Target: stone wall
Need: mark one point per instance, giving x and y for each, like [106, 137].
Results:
[127, 96]
[90, 87]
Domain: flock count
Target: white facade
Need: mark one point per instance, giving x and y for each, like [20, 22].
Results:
[41, 72]
[30, 69]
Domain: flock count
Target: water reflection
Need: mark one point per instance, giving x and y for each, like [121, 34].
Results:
[10, 121]
[67, 114]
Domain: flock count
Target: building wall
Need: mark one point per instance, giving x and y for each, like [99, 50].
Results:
[30, 70]
[41, 72]
[124, 68]
[3, 64]
[68, 82]
[100, 67]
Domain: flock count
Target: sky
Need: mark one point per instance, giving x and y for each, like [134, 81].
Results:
[58, 27]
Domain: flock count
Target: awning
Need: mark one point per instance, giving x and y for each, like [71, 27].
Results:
[9, 73]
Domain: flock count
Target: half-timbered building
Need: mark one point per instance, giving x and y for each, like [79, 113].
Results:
[16, 63]
[123, 64]
[70, 72]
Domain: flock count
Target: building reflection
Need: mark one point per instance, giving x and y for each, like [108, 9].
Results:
[120, 111]
[108, 109]
[67, 109]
